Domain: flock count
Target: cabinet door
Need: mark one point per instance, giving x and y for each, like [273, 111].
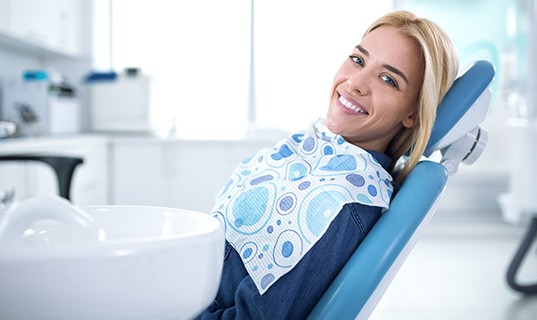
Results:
[89, 185]
[33, 20]
[181, 174]
[49, 24]
[200, 171]
[138, 174]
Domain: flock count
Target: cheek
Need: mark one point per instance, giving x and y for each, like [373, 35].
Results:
[398, 106]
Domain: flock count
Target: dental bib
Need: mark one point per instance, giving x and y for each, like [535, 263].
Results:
[279, 202]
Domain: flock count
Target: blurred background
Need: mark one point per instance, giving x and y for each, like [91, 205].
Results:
[161, 99]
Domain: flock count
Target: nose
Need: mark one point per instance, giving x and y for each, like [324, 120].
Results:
[359, 81]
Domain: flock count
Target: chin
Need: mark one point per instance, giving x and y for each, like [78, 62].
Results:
[333, 125]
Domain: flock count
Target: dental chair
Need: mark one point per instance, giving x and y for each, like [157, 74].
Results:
[457, 137]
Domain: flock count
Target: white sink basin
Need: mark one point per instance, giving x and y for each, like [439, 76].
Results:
[108, 262]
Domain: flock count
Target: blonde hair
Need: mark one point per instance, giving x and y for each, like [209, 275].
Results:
[441, 65]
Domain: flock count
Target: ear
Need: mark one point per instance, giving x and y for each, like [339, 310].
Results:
[410, 120]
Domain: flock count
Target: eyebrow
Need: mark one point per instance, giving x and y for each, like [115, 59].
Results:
[387, 66]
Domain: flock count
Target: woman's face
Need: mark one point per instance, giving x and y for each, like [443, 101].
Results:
[375, 91]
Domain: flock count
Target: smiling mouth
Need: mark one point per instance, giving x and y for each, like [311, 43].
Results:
[347, 104]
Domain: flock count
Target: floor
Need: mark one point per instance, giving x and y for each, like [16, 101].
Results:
[457, 272]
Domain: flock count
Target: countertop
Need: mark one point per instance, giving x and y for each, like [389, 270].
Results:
[17, 144]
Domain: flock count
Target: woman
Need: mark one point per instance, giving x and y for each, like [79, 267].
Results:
[287, 240]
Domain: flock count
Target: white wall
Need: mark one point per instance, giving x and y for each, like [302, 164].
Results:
[199, 55]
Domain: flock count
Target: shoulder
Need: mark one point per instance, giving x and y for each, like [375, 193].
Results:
[383, 159]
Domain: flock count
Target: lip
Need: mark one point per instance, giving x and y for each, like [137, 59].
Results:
[356, 109]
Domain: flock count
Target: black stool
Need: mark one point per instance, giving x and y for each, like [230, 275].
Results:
[63, 167]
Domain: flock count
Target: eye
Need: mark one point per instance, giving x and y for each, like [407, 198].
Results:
[389, 80]
[357, 60]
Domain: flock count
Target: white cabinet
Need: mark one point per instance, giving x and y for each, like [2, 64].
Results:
[138, 176]
[174, 173]
[90, 180]
[32, 20]
[128, 170]
[48, 25]
[198, 171]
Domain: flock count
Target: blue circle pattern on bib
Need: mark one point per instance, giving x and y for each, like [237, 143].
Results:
[279, 202]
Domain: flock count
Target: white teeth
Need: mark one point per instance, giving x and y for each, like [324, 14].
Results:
[351, 106]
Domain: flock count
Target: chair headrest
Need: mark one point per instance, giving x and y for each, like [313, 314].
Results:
[455, 117]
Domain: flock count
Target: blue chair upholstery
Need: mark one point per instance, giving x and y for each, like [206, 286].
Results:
[361, 283]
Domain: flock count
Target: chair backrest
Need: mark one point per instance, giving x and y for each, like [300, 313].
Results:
[363, 280]
[464, 107]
